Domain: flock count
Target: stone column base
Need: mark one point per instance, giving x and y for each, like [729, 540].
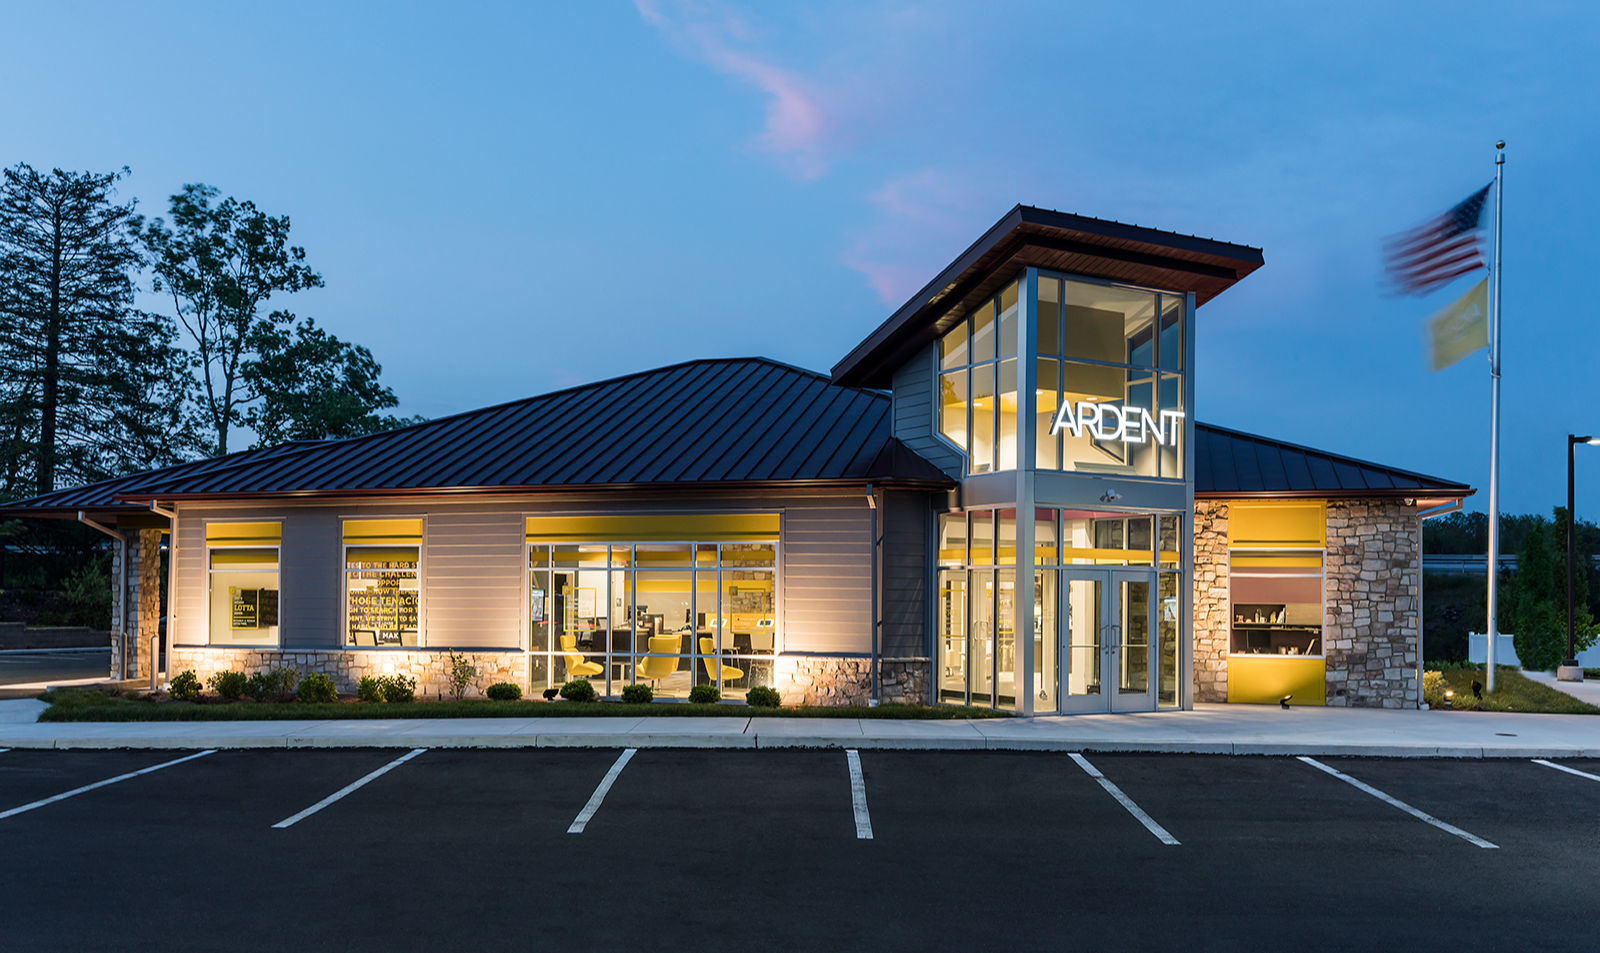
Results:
[1569, 673]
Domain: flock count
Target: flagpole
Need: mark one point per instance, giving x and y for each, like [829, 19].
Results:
[1494, 416]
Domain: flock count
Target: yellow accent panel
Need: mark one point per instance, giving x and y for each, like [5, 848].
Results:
[244, 534]
[1139, 557]
[381, 554]
[243, 557]
[1263, 680]
[1280, 562]
[685, 527]
[1286, 524]
[379, 532]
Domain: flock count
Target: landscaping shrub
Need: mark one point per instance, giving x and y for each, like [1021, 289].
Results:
[578, 690]
[637, 694]
[229, 685]
[462, 673]
[763, 697]
[369, 689]
[185, 686]
[279, 683]
[399, 689]
[504, 692]
[705, 695]
[317, 688]
[1433, 688]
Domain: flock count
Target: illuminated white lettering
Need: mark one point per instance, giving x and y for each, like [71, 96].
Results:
[1109, 422]
[1066, 420]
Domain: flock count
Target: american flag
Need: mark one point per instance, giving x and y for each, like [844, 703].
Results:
[1430, 255]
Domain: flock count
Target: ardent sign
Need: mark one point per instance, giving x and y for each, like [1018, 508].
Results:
[1110, 422]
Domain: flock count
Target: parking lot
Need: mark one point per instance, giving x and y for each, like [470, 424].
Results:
[34, 667]
[682, 849]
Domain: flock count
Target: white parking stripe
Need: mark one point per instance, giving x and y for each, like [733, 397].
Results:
[347, 789]
[1125, 801]
[100, 784]
[1562, 767]
[599, 794]
[1419, 815]
[858, 795]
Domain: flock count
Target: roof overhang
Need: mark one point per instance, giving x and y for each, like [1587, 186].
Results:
[1029, 236]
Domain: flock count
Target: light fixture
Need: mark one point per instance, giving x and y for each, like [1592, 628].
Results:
[1284, 701]
[1449, 699]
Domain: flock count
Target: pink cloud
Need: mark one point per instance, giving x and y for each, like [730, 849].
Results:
[796, 123]
[923, 221]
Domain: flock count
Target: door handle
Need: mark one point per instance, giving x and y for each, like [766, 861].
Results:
[1110, 637]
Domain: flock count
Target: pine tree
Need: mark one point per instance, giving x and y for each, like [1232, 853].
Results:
[90, 387]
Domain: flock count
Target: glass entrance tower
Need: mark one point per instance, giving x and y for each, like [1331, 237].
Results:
[1049, 369]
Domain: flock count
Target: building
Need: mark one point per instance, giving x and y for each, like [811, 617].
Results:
[840, 537]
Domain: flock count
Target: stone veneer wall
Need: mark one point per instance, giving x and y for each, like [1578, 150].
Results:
[800, 680]
[1373, 575]
[823, 680]
[1371, 599]
[347, 666]
[1210, 601]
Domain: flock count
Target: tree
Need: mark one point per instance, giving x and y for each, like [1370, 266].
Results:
[1539, 597]
[221, 263]
[90, 387]
[313, 386]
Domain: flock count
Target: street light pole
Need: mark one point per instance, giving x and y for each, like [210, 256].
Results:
[1570, 670]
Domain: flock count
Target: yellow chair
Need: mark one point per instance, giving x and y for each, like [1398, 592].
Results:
[654, 668]
[708, 648]
[576, 666]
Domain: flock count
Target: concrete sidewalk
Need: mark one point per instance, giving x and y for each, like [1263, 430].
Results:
[1587, 690]
[1210, 729]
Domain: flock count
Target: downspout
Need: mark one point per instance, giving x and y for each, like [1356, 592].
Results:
[172, 615]
[122, 586]
[877, 590]
[1422, 622]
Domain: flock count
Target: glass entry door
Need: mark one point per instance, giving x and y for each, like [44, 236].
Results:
[1106, 648]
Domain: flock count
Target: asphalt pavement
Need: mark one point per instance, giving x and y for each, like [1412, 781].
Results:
[429, 849]
[29, 666]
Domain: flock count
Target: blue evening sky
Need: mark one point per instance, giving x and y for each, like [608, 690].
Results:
[511, 198]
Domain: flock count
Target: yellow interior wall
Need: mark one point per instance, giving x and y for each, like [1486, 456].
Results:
[1278, 524]
[674, 527]
[380, 532]
[244, 534]
[1265, 680]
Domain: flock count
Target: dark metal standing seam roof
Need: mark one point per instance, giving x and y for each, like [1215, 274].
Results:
[1057, 241]
[1231, 463]
[714, 423]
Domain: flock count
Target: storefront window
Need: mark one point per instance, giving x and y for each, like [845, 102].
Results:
[1276, 602]
[667, 615]
[242, 570]
[244, 596]
[382, 595]
[1103, 351]
[978, 402]
[383, 583]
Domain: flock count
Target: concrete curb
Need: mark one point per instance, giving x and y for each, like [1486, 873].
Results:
[787, 741]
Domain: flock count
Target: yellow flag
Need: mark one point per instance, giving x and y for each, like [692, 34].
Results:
[1460, 329]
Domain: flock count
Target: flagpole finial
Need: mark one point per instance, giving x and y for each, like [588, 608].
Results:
[1500, 144]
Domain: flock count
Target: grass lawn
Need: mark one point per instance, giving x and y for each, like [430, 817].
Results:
[1512, 692]
[69, 704]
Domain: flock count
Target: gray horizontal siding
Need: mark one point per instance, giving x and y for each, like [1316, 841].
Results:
[827, 575]
[913, 403]
[473, 574]
[905, 575]
[312, 580]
